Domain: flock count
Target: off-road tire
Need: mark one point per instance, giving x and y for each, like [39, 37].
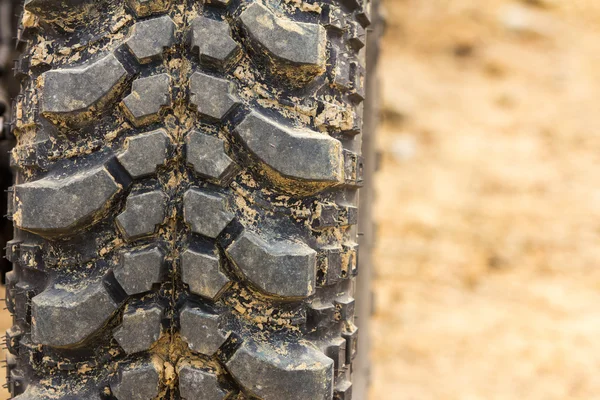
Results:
[185, 205]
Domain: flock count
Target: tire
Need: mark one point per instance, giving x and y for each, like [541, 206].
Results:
[185, 203]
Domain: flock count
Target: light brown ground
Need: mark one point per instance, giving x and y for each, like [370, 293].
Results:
[488, 278]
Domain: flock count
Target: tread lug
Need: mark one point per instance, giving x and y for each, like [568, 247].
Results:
[281, 268]
[295, 154]
[151, 37]
[212, 39]
[297, 43]
[213, 97]
[144, 153]
[196, 383]
[139, 270]
[297, 372]
[53, 207]
[206, 154]
[206, 212]
[140, 381]
[201, 331]
[147, 98]
[140, 329]
[203, 273]
[75, 90]
[143, 213]
[64, 317]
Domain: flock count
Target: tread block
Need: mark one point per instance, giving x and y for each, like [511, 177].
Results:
[320, 315]
[349, 259]
[140, 329]
[344, 305]
[353, 169]
[330, 262]
[206, 212]
[336, 350]
[65, 317]
[357, 77]
[350, 333]
[296, 372]
[140, 381]
[151, 37]
[212, 39]
[334, 18]
[297, 43]
[200, 329]
[203, 273]
[343, 391]
[342, 73]
[75, 90]
[357, 35]
[143, 8]
[147, 98]
[213, 97]
[143, 213]
[139, 270]
[53, 206]
[196, 383]
[281, 268]
[206, 154]
[144, 153]
[326, 216]
[295, 154]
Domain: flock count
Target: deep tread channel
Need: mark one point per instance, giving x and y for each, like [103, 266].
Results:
[185, 206]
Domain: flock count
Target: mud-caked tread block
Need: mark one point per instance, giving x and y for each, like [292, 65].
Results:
[144, 153]
[140, 329]
[142, 215]
[206, 154]
[201, 330]
[147, 98]
[151, 37]
[53, 206]
[295, 154]
[75, 90]
[203, 273]
[298, 43]
[67, 316]
[139, 381]
[139, 270]
[212, 97]
[280, 268]
[196, 383]
[212, 39]
[206, 212]
[144, 8]
[293, 372]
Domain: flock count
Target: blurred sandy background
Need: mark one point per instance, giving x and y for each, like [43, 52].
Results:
[488, 279]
